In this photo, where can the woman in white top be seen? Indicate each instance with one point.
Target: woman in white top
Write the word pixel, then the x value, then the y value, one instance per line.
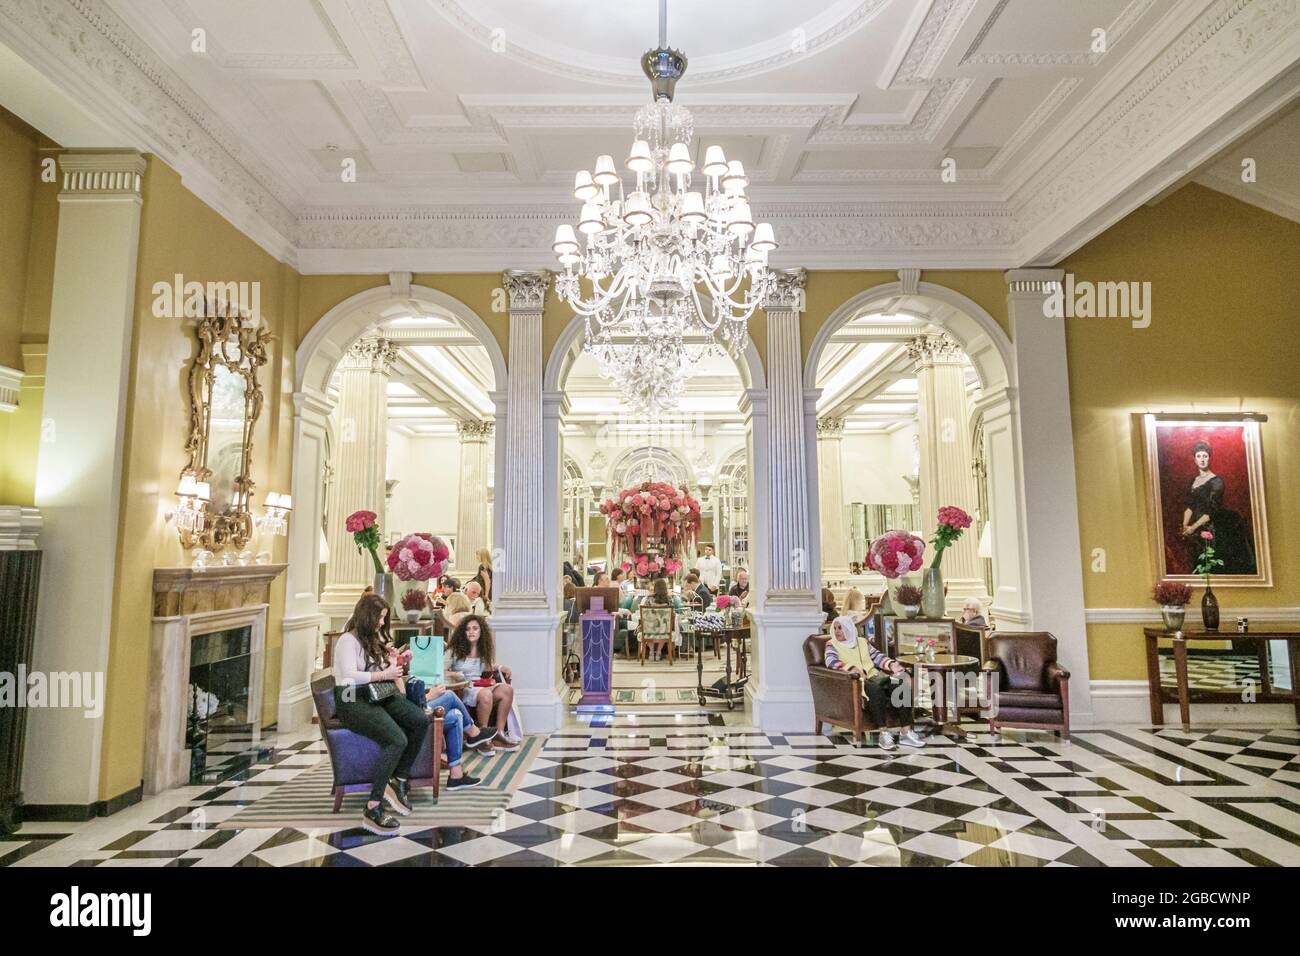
pixel 364 655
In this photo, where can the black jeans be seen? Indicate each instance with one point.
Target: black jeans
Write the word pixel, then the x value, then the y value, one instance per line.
pixel 878 688
pixel 396 724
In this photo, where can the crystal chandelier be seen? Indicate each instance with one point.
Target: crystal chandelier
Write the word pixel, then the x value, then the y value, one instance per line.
pixel 676 265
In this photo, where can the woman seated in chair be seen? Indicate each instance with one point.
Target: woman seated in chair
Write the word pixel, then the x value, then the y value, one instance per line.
pixel 456 609
pixel 364 655
pixel 655 642
pixel 845 651
pixel 460 731
pixel 472 657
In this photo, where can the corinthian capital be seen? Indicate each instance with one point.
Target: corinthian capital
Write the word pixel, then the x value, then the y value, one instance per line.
pixel 935 348
pixel 372 353
pixel 527 290
pixel 830 427
pixel 475 431
pixel 787 294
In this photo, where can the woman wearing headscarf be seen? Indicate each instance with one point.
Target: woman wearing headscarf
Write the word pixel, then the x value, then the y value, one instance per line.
pixel 846 651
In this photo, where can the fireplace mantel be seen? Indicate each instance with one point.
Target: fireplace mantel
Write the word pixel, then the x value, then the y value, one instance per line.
pixel 182 591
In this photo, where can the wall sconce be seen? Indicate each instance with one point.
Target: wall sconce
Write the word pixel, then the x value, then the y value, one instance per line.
pixel 597 488
pixel 194 495
pixel 276 519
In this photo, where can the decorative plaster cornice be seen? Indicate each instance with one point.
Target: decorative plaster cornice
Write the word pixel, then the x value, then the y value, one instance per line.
pixel 11 383
pixel 527 290
pixel 99 173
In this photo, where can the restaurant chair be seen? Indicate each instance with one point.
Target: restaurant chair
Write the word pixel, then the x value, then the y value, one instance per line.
pixel 837 695
pixel 657 626
pixel 1032 689
pixel 969 642
pixel 353 757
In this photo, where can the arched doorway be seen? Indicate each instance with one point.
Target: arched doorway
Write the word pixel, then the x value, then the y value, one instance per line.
pixel 991 409
pixel 428 324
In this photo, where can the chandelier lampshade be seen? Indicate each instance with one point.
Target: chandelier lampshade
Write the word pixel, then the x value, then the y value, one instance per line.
pixel 670 265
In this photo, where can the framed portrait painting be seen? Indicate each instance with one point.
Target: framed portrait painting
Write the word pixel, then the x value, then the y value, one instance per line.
pixel 1205 477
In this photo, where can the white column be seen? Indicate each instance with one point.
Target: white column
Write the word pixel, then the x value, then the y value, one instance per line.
pixel 791 609
pixel 79 472
pixel 360 459
pixel 525 617
pixel 943 424
pixel 471 514
pixel 1050 535
pixel 303 622
pixel 830 490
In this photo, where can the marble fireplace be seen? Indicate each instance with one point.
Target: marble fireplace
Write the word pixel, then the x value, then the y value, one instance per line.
pixel 209 628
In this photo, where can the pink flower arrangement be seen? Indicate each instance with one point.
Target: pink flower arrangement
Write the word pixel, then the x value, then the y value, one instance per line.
pixel 952 522
pixel 652 516
pixel 364 527
pixel 725 601
pixel 418 557
pixel 896 553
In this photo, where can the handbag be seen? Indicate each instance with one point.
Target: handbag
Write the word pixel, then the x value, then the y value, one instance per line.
pixel 427 659
pixel 380 690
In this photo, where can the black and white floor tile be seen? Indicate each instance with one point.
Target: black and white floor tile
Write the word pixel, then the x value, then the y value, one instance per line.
pixel 661 787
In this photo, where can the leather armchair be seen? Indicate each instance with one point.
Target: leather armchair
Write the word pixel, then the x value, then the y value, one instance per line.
pixel 353 756
pixel 1032 689
pixel 837 695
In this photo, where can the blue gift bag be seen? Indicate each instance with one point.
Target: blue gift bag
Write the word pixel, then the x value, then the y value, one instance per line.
pixel 427 659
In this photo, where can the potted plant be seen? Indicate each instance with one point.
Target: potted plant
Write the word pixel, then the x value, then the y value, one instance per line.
pixel 909 600
pixel 413 602
pixel 1205 566
pixel 1172 597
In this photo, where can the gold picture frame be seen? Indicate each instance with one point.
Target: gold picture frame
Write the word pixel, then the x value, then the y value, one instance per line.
pixel 1176 487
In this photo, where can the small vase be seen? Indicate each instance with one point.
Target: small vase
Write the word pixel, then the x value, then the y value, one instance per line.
pixel 412 617
pixel 1173 615
pixel 929 653
pixel 932 593
pixel 910 610
pixel 886 602
pixel 1210 610
pixel 386 588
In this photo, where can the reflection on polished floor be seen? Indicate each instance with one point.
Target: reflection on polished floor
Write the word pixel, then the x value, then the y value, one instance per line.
pixel 696 788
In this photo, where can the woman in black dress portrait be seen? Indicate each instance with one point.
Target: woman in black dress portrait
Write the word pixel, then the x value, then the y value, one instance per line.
pixel 1204 511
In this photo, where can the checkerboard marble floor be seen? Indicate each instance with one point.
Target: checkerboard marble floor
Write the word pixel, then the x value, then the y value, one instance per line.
pixel 691 788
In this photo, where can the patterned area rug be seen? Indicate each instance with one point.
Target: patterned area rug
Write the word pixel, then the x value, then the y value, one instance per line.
pixel 307 801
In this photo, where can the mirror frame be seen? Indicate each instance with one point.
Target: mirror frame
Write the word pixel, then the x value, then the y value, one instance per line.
pixel 216 330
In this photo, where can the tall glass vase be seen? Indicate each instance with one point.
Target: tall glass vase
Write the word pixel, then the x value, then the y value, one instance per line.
pixel 386 588
pixel 932 604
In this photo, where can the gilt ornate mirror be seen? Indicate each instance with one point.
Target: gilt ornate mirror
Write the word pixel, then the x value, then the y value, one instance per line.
pixel 225 401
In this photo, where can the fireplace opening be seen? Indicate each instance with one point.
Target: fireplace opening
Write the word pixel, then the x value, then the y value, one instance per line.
pixel 219 734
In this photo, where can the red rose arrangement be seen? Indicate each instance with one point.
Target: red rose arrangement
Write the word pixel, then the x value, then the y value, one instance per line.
pixel 364 526
pixel 653 516
pixel 895 553
pixel 725 601
pixel 952 522
pixel 418 557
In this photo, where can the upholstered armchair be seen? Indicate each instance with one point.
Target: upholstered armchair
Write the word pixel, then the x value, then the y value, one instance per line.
pixel 837 695
pixel 1032 689
pixel 353 756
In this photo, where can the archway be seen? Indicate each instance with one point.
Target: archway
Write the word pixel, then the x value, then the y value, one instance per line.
pixel 316 360
pixel 992 414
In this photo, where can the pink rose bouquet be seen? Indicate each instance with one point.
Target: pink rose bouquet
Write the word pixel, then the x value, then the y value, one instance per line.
pixel 896 553
pixel 725 601
pixel 652 516
pixel 418 557
pixel 364 526
pixel 952 522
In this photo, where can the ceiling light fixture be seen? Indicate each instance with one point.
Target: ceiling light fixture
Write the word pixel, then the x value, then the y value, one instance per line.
pixel 677 256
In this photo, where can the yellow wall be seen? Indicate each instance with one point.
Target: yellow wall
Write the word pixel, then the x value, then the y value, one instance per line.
pixel 1225 287
pixel 29 216
pixel 179 234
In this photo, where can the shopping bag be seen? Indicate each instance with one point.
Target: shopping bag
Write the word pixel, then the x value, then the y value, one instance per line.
pixel 427 659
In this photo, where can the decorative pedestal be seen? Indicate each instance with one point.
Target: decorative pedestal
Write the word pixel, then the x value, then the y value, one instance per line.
pixel 597 656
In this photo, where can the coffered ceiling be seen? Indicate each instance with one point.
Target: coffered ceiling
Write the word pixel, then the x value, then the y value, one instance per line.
pixel 465 120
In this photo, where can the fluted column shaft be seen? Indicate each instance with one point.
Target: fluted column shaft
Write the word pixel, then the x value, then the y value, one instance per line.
pixel 835 546
pixel 360 462
pixel 471 514
pixel 521 574
pixel 943 423
pixel 790 555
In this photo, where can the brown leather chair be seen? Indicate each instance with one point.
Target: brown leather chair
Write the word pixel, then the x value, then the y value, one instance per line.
pixel 1032 689
pixel 837 695
pixel 970 643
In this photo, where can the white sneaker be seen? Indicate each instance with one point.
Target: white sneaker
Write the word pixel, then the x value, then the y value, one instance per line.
pixel 886 741
pixel 912 739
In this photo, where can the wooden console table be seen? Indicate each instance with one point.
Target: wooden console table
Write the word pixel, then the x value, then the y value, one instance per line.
pixel 1267 693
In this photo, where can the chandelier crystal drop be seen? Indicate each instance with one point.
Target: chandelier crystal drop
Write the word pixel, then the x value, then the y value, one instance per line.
pixel 672 261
